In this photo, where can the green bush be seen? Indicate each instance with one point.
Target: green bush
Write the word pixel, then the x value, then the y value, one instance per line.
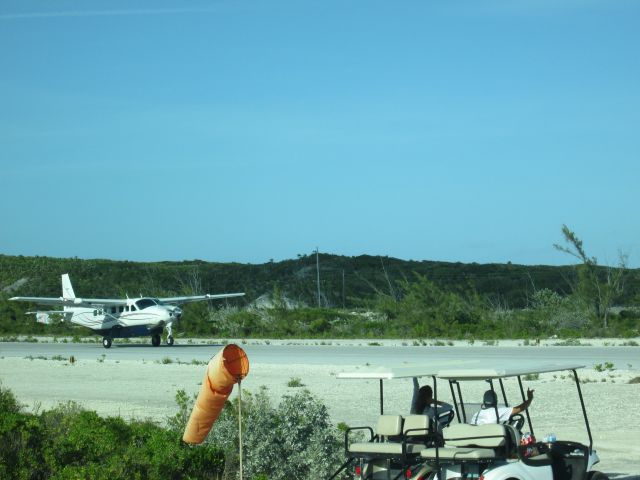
pixel 297 430
pixel 69 443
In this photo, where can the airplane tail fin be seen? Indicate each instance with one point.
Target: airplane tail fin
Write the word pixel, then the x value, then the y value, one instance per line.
pixel 67 289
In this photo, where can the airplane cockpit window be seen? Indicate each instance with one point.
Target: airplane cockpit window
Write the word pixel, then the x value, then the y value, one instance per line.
pixel 144 303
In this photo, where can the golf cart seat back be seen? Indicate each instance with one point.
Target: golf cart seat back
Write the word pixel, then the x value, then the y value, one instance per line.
pixel 465 442
pixel 388 426
pixel 489 435
pixel 416 426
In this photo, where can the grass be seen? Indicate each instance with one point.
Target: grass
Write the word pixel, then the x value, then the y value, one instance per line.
pixel 608 366
pixel 571 342
pixel 635 380
pixel 295 382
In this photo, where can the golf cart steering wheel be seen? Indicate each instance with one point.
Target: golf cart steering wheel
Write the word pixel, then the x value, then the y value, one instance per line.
pixel 445 418
pixel 516 421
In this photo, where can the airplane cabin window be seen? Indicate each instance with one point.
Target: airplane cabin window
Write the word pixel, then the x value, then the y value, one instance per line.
pixel 144 303
pixel 120 309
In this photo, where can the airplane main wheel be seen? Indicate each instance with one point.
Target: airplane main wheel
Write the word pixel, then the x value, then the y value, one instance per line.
pixel 106 342
pixel 169 340
pixel 155 340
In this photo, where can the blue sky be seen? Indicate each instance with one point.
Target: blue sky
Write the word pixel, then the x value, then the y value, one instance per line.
pixel 246 131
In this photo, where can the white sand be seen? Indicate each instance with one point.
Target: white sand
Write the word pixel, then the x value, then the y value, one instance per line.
pixel 138 389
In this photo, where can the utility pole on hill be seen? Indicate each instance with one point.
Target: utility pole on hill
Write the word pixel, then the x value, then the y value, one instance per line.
pixel 318 274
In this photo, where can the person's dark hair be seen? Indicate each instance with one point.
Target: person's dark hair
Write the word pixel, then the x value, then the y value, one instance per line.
pixel 490 399
pixel 425 395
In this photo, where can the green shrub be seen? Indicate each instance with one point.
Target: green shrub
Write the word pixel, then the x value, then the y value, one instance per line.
pixel 295 382
pixel 298 430
pixel 68 442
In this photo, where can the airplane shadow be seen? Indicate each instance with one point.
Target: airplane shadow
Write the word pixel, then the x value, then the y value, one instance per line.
pixel 623 476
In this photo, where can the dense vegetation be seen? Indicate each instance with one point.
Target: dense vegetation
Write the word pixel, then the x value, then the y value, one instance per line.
pixel 359 296
pixel 68 442
pixel 71 443
pixel 293 439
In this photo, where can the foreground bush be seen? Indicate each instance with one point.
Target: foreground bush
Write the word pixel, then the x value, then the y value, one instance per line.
pixel 294 439
pixel 70 443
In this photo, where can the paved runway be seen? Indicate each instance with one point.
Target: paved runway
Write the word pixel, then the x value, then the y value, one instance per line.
pixel 259 352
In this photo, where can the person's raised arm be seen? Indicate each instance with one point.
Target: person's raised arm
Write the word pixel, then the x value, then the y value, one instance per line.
pixel 524 405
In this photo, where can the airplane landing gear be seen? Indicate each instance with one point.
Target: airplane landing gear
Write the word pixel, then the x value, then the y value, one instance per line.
pixel 106 342
pixel 169 334
pixel 155 340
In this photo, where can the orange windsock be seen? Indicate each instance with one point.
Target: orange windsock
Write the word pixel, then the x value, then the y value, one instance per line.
pixel 225 369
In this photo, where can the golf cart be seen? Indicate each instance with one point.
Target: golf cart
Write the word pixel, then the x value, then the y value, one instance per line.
pixel 498 451
pixel 393 447
pixel 409 446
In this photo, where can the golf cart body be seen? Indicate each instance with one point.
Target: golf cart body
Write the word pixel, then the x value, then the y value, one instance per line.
pixel 393 446
pixel 498 451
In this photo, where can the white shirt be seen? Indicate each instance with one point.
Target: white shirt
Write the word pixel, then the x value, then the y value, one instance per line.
pixel 488 415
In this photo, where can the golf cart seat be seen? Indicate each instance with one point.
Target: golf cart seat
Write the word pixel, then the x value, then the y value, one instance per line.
pixel 395 437
pixel 473 442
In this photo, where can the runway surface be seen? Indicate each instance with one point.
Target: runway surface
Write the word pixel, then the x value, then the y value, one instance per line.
pixel 390 356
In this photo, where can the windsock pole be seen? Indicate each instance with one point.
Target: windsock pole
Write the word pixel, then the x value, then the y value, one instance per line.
pixel 240 422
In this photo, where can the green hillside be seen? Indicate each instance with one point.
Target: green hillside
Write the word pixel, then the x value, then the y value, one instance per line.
pixel 451 293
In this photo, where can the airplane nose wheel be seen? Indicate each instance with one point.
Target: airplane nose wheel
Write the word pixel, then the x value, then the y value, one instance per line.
pixel 169 340
pixel 106 342
pixel 155 340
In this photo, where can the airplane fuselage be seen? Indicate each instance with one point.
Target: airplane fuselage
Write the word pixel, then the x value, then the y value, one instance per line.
pixel 139 317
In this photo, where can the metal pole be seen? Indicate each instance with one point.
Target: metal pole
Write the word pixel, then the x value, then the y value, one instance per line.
pixel 504 395
pixel 318 275
pixel 455 401
pixel 381 399
pixel 343 302
pixel 527 410
pixel 495 407
pixel 464 412
pixel 240 423
pixel 584 410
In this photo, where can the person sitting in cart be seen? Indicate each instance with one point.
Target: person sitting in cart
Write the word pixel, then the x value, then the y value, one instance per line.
pixel 422 403
pixel 487 413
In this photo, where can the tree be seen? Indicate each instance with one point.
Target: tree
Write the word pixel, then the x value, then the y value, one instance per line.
pixel 602 286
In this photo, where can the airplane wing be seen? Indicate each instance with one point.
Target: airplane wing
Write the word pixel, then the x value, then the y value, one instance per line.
pixel 197 298
pixel 72 302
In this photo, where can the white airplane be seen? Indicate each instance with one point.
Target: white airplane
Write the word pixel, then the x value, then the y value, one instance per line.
pixel 118 318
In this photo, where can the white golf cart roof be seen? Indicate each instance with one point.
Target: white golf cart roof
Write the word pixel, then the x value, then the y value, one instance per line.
pixel 488 373
pixel 384 373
